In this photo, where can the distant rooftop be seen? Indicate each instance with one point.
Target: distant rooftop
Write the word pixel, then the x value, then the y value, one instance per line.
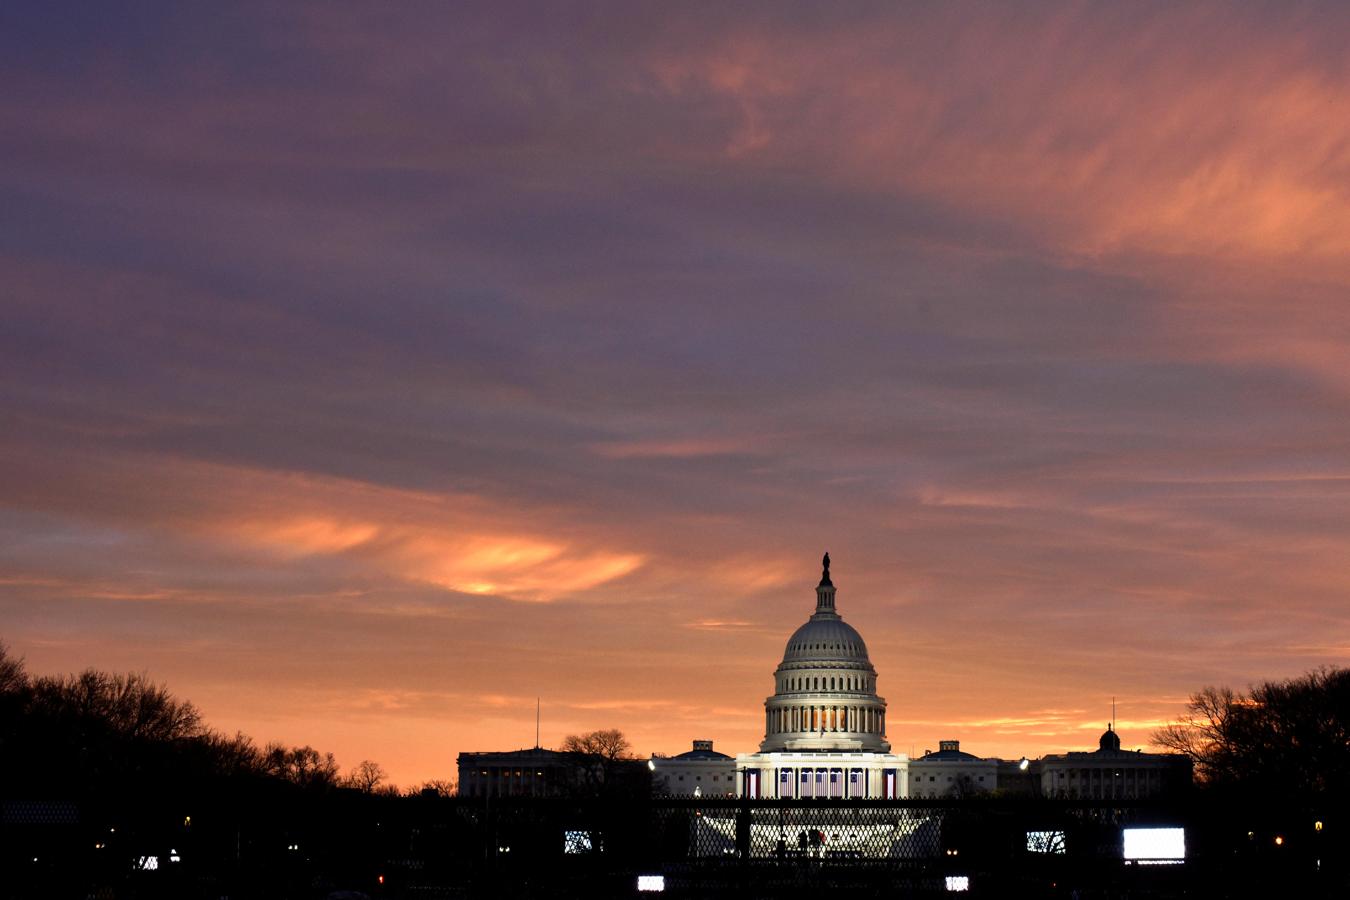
pixel 702 750
pixel 948 751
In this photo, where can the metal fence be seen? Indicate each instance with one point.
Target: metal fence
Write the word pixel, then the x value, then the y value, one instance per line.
pixel 781 847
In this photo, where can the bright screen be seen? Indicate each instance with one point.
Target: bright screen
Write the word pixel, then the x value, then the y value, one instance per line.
pixel 1045 842
pixel 1152 844
pixel 577 842
pixel 651 882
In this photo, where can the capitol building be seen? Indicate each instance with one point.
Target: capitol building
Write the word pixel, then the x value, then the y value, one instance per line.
pixel 824 725
pixel 825 737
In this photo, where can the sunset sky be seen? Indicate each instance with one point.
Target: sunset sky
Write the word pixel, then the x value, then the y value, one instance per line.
pixel 367 372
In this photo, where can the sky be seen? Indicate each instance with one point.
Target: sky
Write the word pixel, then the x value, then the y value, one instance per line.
pixel 370 371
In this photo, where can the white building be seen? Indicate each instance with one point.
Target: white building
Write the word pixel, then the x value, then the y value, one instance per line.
pixel 824 726
pixel 700 772
pixel 951 772
pixel 1110 773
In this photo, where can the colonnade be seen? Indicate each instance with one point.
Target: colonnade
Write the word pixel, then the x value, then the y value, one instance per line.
pixel 832 718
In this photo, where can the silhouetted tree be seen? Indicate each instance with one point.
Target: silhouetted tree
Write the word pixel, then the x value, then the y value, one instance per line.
pixel 366 776
pixel 1290 737
pixel 597 757
pixel 97 733
pixel 607 744
pixel 233 756
pixel 437 787
pixel 131 705
pixel 13 702
pixel 302 766
pixel 13 679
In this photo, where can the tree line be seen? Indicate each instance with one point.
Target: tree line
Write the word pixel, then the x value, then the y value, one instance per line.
pixel 85 732
pixel 1289 738
pixel 90 732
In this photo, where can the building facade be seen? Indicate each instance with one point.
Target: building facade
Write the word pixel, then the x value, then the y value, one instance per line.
pixel 1110 773
pixel 951 772
pixel 536 772
pixel 700 772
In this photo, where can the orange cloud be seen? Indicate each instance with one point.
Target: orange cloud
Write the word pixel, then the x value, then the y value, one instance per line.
pixel 676 448
pixel 1100 140
pixel 473 561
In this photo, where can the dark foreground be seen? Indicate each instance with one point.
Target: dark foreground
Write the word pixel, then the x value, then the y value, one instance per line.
pixel 343 844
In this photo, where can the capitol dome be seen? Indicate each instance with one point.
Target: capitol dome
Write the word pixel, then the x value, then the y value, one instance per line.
pixel 825 697
pixel 825 639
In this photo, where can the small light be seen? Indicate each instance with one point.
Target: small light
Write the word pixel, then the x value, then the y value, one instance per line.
pixel 1317 826
pixel 380 879
pixel 1279 840
pixel 654 883
pixel 651 766
pixel 1024 764
pixel 187 821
